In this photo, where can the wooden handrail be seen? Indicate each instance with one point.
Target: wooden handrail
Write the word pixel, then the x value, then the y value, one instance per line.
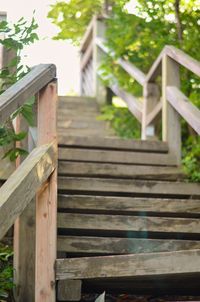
pixel 21 186
pixel 35 177
pixel 183 106
pixel 88 35
pixel 29 85
pixel 176 98
pixel 131 69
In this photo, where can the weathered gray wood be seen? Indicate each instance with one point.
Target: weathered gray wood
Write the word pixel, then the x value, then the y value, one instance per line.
pixel 88 35
pixel 183 59
pixel 24 254
pixel 172 264
pixel 171 126
pixel 18 94
pixel 184 107
pixel 86 132
pixel 151 97
pixel 114 143
pixel 129 186
pixel 117 156
pixel 124 224
pixel 100 91
pixel 80 124
pixel 131 69
pixel 24 231
pixel 119 170
pixel 69 290
pixel 154 113
pixel 134 105
pixel 20 188
pixel 76 100
pixel 6 166
pixel 86 56
pixel 129 205
pixel 104 245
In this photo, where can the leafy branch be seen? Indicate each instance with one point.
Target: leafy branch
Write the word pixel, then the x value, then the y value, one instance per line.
pixel 16 37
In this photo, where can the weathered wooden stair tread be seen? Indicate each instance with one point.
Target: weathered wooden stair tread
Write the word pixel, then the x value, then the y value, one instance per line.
pixel 147 226
pixel 130 266
pixel 111 245
pixel 89 169
pixel 113 143
pixel 123 186
pixel 108 156
pixel 129 205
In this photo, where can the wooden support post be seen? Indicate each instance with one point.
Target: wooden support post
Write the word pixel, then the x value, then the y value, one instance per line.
pixel 69 290
pixel 24 238
pixel 99 89
pixel 46 203
pixel 171 127
pixel 151 96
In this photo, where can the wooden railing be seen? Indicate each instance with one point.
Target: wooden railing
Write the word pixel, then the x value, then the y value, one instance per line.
pixel 172 102
pixel 29 197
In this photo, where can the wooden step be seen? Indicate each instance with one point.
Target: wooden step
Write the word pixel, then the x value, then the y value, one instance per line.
pixel 82 124
pixel 131 187
pixel 137 266
pixel 129 205
pixel 87 169
pixel 130 226
pixel 108 156
pixel 77 99
pixel 103 245
pixel 114 144
pixel 85 132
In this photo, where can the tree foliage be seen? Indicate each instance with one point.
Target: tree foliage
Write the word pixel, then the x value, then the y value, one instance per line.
pixel 139 37
pixel 72 17
pixel 16 37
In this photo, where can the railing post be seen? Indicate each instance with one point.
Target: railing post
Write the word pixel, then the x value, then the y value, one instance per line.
pixel 151 96
pixel 171 127
pixel 46 203
pixel 101 92
pixel 24 240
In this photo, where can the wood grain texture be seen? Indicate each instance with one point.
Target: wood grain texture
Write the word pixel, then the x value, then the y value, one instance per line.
pixel 46 202
pixel 171 127
pixel 130 266
pixel 129 186
pixel 118 171
pixel 151 99
pixel 30 84
pixel 134 105
pixel 69 290
pixel 113 143
pixel 104 245
pixel 106 156
pixel 183 59
pixel 21 186
pixel 125 224
pixel 128 205
pixel 184 107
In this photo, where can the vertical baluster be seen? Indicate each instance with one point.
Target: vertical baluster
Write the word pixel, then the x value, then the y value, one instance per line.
pixel 171 127
pixel 151 95
pixel 24 239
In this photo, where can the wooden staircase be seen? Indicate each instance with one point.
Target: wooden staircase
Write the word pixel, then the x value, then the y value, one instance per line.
pixel 127 220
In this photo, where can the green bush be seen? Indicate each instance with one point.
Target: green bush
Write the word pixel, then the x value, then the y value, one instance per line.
pixel 6 272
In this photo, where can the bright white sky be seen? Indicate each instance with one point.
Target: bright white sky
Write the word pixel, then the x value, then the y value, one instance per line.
pixel 61 53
